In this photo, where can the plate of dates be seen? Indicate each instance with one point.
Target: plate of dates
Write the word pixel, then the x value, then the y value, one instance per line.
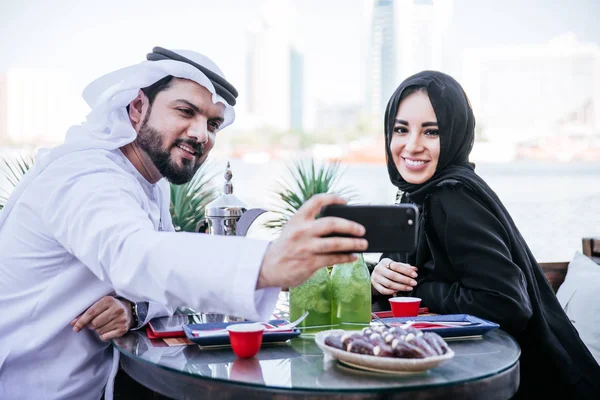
pixel 388 350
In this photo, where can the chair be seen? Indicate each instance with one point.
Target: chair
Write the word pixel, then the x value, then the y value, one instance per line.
pixel 556 271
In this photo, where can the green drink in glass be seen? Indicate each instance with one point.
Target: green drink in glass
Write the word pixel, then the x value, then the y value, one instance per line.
pixel 351 295
pixel 313 296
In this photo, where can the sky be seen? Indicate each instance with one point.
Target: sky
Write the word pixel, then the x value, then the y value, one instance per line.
pixel 89 38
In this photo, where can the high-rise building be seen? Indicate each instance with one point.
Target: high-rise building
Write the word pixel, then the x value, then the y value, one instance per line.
pixel 520 93
pixel 275 70
pixel 405 37
pixel 296 90
pixel 3 108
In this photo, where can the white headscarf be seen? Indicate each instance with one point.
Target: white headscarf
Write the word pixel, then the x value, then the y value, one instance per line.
pixel 107 126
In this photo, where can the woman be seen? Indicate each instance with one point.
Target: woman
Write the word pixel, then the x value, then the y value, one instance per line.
pixel 470 256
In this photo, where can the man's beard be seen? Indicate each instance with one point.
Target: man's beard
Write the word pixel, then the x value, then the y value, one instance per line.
pixel 150 140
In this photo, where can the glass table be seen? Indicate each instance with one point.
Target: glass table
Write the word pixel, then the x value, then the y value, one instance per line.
pixel 484 368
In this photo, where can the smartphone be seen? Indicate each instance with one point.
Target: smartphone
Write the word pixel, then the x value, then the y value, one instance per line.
pixel 169 326
pixel 389 228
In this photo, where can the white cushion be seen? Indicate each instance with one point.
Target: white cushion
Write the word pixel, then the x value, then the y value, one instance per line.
pixel 579 295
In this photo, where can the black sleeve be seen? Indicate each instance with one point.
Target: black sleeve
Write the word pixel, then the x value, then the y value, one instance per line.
pixel 488 283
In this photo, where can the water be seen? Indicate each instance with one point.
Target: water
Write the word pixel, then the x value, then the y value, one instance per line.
pixel 313 296
pixel 554 205
pixel 350 295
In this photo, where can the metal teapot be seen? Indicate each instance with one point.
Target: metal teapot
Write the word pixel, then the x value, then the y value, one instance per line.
pixel 228 215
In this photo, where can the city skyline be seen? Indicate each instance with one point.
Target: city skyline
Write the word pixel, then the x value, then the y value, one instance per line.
pixel 88 43
pixel 520 93
pixel 398 46
pixel 274 70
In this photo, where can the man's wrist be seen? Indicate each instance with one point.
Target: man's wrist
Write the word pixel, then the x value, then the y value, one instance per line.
pixel 130 306
pixel 262 281
pixel 137 312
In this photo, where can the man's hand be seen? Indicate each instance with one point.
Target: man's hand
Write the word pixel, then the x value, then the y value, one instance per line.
pixel 390 277
pixel 302 248
pixel 109 316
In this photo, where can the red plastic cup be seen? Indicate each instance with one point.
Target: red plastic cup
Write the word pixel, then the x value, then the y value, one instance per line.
pixel 405 306
pixel 246 338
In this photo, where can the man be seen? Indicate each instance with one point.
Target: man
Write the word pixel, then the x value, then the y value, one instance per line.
pixel 91 218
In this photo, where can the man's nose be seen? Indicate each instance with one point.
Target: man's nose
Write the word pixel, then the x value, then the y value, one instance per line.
pixel 199 131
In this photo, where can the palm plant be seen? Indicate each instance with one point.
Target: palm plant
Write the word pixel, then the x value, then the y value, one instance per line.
pixel 189 200
pixel 14 169
pixel 306 181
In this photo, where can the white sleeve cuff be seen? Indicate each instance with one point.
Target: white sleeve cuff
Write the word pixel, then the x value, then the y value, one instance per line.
pixel 266 301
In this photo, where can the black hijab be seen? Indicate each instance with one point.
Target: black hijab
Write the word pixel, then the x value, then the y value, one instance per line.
pixel 549 324
pixel 456 125
pixel 457 133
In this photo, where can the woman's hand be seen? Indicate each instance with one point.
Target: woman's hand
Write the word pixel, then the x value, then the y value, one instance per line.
pixel 389 277
pixel 109 317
